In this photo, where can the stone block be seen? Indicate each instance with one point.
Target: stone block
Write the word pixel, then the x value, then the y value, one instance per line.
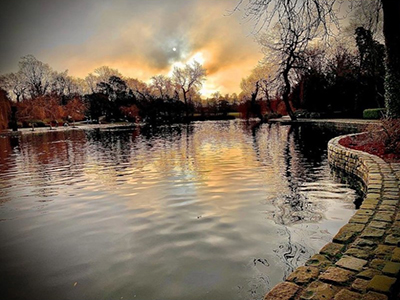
pixel 347 233
pixel 396 254
pixel 371 232
pixel 336 275
pixel 391 268
pixel 360 285
pixel 395 229
pixel 365 212
pixel 364 244
pixel 332 249
pixel 369 273
pixel 371 201
pixel 351 263
pixel 392 239
pixel 390 202
pixel 384 216
pixel 319 291
pixel 368 206
pixel 346 295
pixel 283 291
pixel 382 284
pixel 320 261
pixel 303 275
pixel 384 252
pixel 377 263
pixel 361 219
pixel 384 207
pixel 359 253
pixel 379 224
pixel 374 296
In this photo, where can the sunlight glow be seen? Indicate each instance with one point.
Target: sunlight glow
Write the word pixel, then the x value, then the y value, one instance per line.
pixel 197 57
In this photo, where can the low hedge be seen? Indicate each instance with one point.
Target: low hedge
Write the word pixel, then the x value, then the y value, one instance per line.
pixel 374 113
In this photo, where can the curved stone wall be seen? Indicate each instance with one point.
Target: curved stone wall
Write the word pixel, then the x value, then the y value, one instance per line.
pixel 363 259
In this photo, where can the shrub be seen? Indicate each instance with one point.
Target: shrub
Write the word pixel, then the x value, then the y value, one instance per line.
pixel 374 113
pixel 387 134
pixel 391 137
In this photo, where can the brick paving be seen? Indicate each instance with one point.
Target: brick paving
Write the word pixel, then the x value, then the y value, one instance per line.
pixel 363 260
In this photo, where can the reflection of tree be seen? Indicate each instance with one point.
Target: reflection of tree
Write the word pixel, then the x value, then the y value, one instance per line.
pixel 52 158
pixel 7 164
pixel 292 254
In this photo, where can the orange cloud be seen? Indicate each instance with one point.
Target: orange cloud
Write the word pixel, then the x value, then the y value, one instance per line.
pixel 156 36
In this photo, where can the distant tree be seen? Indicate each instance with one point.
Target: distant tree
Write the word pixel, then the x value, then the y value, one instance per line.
pixel 258 87
pixel 162 86
pixel 14 83
pixel 36 75
pixel 75 109
pixel 37 109
pixel 139 88
pixel 101 74
pixel 98 105
pixel 131 113
pixel 189 78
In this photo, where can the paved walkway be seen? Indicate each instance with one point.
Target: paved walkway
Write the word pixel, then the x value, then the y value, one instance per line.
pixel 363 260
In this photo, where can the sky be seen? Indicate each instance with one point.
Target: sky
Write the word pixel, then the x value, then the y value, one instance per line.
pixel 140 38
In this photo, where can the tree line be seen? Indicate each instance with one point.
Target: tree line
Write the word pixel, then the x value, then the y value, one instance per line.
pixel 40 94
pixel 336 81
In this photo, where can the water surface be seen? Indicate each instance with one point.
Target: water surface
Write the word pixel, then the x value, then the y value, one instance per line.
pixel 212 210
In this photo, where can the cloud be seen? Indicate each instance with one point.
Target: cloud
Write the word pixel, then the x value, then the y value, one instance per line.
pixel 138 38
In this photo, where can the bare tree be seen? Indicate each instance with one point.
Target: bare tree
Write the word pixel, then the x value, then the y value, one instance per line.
pixel 36 75
pixel 13 83
pixel 189 78
pixel 163 86
pixel 295 23
pixel 300 22
pixel 101 74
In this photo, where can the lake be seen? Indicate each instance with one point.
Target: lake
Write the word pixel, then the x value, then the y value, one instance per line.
pixel 210 210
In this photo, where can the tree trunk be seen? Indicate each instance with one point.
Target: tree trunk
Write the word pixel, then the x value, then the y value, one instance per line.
pixel 391 30
pixel 186 104
pixel 14 124
pixel 285 96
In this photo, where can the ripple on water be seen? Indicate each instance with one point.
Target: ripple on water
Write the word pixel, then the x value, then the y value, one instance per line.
pixel 211 210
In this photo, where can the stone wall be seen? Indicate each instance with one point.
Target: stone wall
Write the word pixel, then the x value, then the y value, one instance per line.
pixel 363 259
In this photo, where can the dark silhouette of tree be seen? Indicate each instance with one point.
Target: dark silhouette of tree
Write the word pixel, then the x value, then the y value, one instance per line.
pixel 301 21
pixel 371 70
pixel 188 79
pixel 297 23
pixel 391 31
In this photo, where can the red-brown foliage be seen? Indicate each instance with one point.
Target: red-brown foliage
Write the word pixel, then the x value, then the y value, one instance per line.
pixel 130 112
pixel 5 110
pixel 384 143
pixel 75 109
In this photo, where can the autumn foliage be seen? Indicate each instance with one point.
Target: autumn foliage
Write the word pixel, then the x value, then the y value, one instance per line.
pixel 48 109
pixel 5 110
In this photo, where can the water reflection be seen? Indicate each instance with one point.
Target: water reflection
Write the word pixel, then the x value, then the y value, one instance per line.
pixel 212 210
